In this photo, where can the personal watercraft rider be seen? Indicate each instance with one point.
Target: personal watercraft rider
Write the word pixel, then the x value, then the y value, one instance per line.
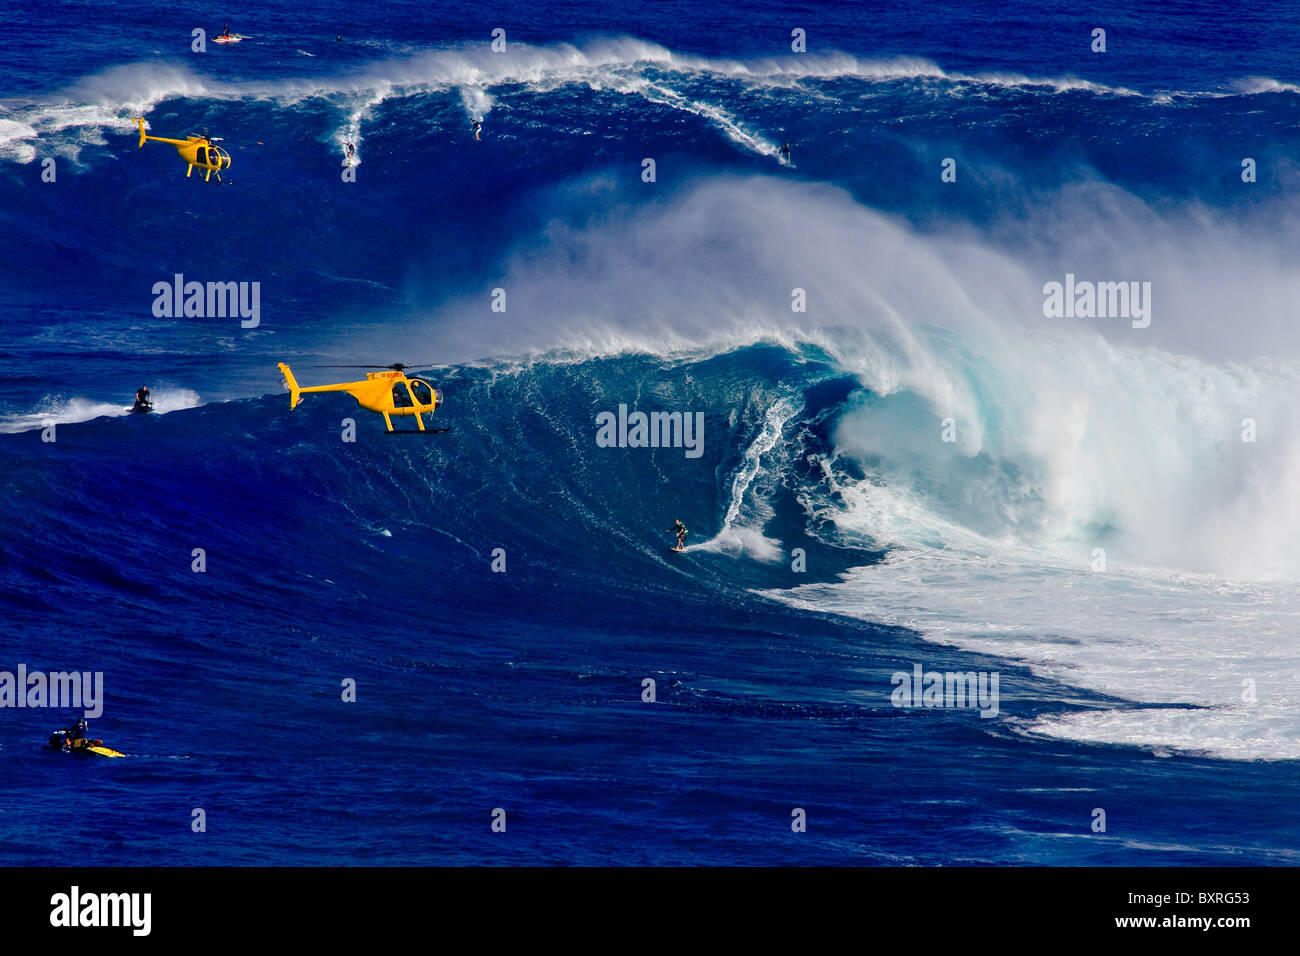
pixel 76 735
pixel 142 398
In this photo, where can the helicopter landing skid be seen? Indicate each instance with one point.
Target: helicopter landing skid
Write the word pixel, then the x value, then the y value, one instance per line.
pixel 416 431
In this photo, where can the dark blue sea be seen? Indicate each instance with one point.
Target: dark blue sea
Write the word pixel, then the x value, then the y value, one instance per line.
pixel 904 461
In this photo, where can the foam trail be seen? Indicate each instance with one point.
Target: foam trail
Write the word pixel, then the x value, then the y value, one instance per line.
pixel 477 102
pixel 734 130
pixel 359 112
pixel 57 410
pixel 741 531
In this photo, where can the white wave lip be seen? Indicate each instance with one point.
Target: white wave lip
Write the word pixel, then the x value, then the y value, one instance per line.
pixel 1264 84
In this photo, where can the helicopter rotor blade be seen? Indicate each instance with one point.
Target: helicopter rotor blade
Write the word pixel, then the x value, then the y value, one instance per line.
pixel 391 367
pixel 396 366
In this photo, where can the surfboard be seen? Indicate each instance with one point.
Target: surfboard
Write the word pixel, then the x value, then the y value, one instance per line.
pixel 105 752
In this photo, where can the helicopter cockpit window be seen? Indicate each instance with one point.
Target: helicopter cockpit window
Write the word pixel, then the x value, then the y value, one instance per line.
pixel 421 392
pixel 401 397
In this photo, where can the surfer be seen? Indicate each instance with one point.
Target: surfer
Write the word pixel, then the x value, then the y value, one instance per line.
pixel 679 529
pixel 478 127
pixel 351 150
pixel 784 151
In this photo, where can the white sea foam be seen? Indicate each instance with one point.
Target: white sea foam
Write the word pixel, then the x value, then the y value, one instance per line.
pixel 1222 653
pixel 61 410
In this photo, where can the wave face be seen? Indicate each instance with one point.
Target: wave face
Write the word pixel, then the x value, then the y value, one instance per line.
pixel 903 460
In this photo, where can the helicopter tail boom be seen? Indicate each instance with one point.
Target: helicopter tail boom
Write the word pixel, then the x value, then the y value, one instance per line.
pixel 160 139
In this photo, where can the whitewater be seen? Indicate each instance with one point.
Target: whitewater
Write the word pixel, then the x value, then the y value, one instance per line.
pixel 907 458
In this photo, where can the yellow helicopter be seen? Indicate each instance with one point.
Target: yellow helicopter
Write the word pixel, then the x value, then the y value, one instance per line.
pixel 388 392
pixel 199 151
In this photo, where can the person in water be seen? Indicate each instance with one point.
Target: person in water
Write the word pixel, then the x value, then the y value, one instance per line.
pixel 679 529
pixel 142 397
pixel 478 127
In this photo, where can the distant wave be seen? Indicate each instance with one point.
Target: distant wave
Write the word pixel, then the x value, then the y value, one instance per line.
pixel 107 101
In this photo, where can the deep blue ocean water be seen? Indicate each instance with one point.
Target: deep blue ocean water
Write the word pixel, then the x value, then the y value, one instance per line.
pixel 373 560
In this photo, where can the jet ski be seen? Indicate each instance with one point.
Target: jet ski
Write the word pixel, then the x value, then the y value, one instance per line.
pixel 141 408
pixel 88 746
